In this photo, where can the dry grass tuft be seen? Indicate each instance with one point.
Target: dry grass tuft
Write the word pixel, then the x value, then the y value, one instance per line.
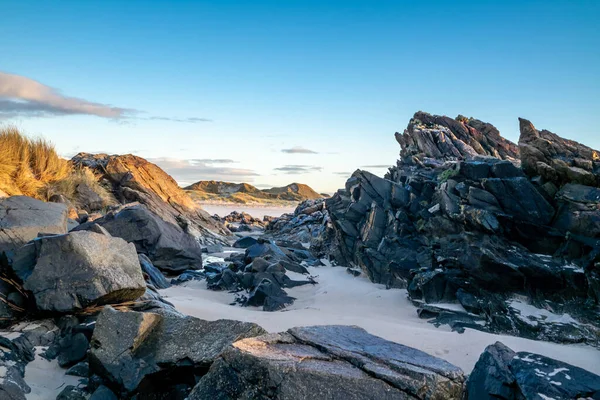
pixel 27 165
pixel 68 187
pixel 125 306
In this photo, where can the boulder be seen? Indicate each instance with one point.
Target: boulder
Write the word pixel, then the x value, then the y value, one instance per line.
pixel 24 218
pixel 168 246
pixel 70 272
pixel 556 159
pixel 152 274
pixel 138 353
pixel 134 179
pixel 500 373
pixel 327 362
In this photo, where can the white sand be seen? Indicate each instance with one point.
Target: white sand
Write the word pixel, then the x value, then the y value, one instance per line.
pixel 46 378
pixel 257 211
pixel 342 299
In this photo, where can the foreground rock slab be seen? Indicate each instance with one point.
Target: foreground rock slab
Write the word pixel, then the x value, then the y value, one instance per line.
pixel 22 218
pixel 327 362
pixel 503 374
pixel 71 272
pixel 148 353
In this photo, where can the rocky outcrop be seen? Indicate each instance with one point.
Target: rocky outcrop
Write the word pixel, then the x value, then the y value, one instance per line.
pixel 24 218
pixel 148 354
pixel 557 160
pixel 133 179
pixel 503 374
pixel 327 362
pixel 70 272
pixel 442 138
pixel 309 224
pixel 473 229
pixel 168 246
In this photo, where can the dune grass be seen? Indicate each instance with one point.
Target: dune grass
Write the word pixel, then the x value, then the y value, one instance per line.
pixel 32 167
pixel 27 165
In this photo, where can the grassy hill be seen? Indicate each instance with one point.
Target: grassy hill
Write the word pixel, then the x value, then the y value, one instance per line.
pixel 243 193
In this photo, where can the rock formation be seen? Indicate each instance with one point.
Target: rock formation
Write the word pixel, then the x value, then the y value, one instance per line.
pixel 167 245
pixel 134 179
pixel 457 220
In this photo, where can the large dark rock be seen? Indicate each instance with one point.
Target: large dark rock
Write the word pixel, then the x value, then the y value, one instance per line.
pixel 556 159
pixel 503 374
pixel 153 274
pixel 24 218
pixel 458 220
pixel 70 272
pixel 134 179
pixel 138 353
pixel 168 246
pixel 327 362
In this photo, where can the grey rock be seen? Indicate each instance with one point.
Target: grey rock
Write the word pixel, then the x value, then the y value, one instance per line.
pixel 168 246
pixel 73 271
pixel 327 362
pixel 131 349
pixel 23 218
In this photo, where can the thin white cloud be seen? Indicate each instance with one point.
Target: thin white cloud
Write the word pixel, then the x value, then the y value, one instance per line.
pixel 24 97
pixel 298 169
pixel 376 166
pixel 186 172
pixel 298 150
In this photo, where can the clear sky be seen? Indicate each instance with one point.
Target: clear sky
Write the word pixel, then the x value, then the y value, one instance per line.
pixel 221 89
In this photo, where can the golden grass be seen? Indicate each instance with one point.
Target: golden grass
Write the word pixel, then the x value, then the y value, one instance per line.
pixel 68 187
pixel 27 165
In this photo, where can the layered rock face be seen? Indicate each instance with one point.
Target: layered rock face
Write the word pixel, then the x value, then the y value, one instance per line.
pixel 134 179
pixel 327 362
pixel 457 220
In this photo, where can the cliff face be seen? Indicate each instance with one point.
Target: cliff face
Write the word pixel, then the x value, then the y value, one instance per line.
pixel 458 220
pixel 134 179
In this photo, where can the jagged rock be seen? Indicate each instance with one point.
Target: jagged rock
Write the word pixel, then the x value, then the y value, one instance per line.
pixel 168 246
pixel 137 353
pixel 269 295
pixel 81 369
pixel 556 159
pixel 457 220
pixel 134 179
pixel 73 271
pixel 23 218
pixel 155 277
pixel 327 362
pixel 444 138
pixel 501 373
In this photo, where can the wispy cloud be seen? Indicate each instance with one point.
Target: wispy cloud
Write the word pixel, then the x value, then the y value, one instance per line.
pixel 186 172
pixel 24 97
pixel 343 173
pixel 298 150
pixel 214 160
pixel 298 169
pixel 376 166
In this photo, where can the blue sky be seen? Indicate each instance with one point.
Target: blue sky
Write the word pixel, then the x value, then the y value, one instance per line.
pixel 331 80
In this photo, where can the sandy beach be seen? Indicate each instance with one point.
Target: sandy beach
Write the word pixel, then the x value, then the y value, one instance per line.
pixel 341 299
